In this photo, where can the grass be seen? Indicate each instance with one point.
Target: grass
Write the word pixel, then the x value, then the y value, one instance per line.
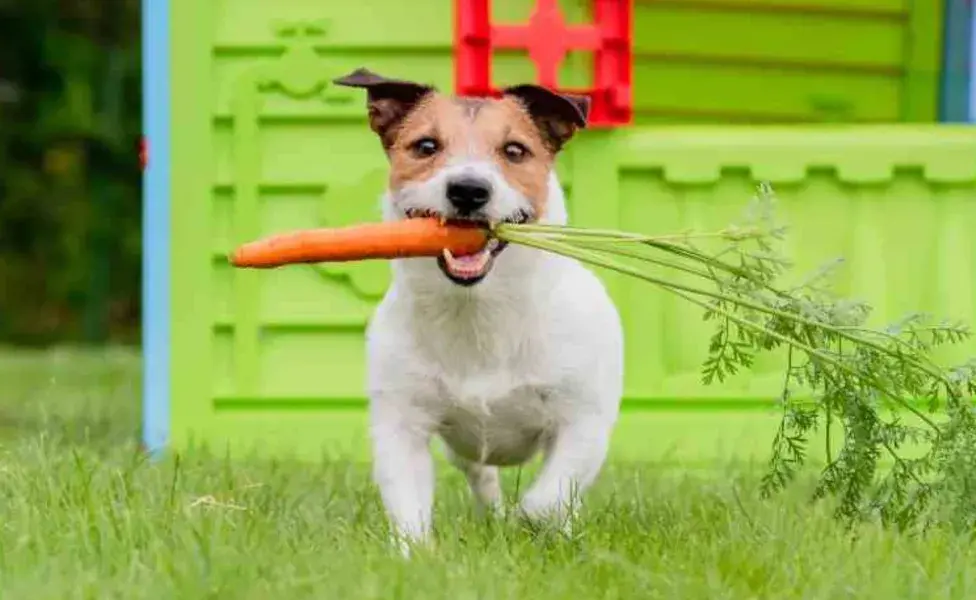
pixel 84 515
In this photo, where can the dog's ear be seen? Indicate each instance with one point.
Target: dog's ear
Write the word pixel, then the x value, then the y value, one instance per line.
pixel 558 116
pixel 387 100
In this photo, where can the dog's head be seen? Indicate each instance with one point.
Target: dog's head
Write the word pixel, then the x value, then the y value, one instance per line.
pixel 460 158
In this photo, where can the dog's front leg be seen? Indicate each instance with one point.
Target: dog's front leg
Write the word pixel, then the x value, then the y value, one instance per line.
pixel 403 470
pixel 484 482
pixel 572 461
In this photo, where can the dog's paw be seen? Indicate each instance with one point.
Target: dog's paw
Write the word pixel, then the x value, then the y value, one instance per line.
pixel 495 511
pixel 557 519
pixel 400 545
pixel 406 546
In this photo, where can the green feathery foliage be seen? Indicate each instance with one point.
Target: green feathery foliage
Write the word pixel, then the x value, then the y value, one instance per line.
pixel 881 386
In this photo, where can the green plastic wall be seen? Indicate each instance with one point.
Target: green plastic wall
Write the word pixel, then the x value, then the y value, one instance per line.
pixel 713 61
pixel 272 361
pixel 787 60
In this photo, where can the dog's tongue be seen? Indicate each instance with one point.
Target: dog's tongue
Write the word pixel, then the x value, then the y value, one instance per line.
pixel 468 259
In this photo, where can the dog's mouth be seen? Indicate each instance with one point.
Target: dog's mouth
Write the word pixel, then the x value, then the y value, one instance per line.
pixel 469 269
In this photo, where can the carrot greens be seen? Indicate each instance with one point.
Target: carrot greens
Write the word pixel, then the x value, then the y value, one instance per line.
pixel 906 453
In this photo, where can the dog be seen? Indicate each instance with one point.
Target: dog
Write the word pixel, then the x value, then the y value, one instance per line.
pixel 504 354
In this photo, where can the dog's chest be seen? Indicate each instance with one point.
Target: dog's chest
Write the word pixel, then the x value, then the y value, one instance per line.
pixel 494 417
pixel 487 373
pixel 494 401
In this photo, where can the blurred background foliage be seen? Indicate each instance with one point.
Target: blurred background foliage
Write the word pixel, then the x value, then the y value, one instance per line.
pixel 70 205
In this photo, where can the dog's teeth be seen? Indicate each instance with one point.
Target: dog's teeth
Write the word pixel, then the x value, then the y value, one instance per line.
pixel 447 255
pixel 443 222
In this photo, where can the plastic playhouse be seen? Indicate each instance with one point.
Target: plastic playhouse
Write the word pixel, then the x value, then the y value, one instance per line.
pixel 834 102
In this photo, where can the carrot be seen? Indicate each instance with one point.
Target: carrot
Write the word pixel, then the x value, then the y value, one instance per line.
pixel 397 239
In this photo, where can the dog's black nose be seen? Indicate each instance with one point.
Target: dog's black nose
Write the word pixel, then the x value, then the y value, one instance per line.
pixel 468 194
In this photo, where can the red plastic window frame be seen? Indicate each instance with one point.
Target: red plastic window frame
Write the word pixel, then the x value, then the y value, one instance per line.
pixel 548 39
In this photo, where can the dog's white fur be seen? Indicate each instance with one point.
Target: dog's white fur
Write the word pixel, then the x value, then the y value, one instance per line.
pixel 528 360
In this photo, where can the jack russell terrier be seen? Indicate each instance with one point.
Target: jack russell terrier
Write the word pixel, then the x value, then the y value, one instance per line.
pixel 504 353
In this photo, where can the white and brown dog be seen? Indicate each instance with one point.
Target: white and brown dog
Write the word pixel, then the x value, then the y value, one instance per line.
pixel 503 353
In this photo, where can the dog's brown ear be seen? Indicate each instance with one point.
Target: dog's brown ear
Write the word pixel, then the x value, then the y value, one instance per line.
pixel 558 116
pixel 388 100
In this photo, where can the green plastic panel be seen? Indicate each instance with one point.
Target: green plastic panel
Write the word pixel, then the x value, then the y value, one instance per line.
pixel 898 204
pixel 273 360
pixel 716 61
pixel 787 60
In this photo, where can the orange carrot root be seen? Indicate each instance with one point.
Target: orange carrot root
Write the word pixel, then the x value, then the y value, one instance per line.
pixel 388 240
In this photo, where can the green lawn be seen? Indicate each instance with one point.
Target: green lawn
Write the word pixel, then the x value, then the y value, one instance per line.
pixel 83 515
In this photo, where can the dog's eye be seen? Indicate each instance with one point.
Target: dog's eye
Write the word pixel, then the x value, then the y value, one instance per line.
pixel 515 152
pixel 425 147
